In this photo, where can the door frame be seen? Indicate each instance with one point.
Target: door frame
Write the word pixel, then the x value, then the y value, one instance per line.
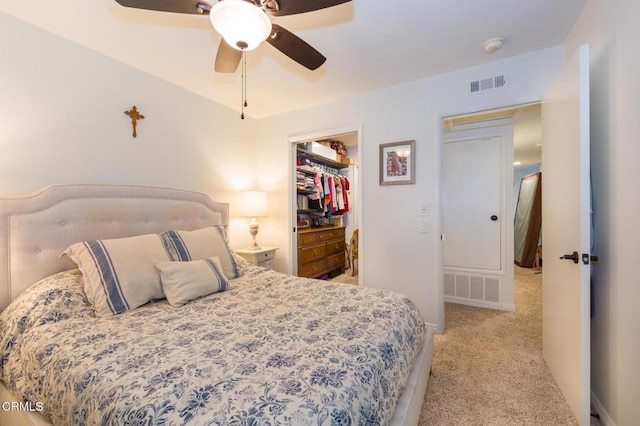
pixel 502 128
pixel 440 117
pixel 293 141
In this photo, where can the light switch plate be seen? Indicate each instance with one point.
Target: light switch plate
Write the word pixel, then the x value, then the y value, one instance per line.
pixel 424 209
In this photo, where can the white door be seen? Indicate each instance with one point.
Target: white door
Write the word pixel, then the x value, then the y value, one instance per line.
pixel 566 230
pixel 472 203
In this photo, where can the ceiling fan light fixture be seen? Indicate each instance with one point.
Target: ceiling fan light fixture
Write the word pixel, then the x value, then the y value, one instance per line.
pixel 242 24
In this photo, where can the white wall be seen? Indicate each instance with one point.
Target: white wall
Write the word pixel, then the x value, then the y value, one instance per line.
pixel 611 28
pixel 62 121
pixel 394 254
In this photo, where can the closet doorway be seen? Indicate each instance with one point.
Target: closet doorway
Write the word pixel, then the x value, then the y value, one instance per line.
pixel 485 156
pixel 326 206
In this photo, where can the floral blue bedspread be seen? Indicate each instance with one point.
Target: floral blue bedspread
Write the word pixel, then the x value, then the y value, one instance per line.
pixel 272 350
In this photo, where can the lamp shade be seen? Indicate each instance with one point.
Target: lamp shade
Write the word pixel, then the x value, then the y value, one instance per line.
pixel 243 25
pixel 253 203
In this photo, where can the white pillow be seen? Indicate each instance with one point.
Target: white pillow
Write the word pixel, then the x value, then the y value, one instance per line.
pixel 185 281
pixel 202 244
pixel 120 274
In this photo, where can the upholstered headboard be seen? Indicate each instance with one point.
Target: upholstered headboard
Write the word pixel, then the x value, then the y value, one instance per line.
pixel 35 229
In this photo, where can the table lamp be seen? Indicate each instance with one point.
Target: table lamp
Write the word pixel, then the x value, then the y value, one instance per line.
pixel 253 204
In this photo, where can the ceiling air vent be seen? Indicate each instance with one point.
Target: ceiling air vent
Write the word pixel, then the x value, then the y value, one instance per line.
pixel 485 84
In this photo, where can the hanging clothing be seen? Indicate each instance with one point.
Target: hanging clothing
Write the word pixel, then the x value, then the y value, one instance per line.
pixel 334 198
pixel 316 200
pixel 346 188
pixel 340 194
pixel 330 192
pixel 327 194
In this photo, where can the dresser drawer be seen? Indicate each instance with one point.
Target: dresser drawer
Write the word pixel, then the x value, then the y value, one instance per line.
pixel 335 261
pixel 311 253
pixel 304 239
pixel 331 234
pixel 312 269
pixel 327 235
pixel 334 247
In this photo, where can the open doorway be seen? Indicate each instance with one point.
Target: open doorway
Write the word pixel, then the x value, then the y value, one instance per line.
pixel 527 186
pixel 325 206
pixel 485 157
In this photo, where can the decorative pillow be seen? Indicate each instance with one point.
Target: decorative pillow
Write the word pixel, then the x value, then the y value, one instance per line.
pixel 120 274
pixel 202 244
pixel 185 281
pixel 242 263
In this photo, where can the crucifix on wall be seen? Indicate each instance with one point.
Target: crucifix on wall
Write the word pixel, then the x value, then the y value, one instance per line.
pixel 135 116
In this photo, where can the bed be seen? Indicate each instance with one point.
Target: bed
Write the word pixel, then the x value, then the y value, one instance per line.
pixel 264 348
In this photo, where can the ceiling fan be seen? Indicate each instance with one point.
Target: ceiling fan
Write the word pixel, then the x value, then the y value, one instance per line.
pixel 245 24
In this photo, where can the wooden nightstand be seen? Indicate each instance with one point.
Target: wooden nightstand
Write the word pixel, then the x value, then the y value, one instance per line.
pixel 265 256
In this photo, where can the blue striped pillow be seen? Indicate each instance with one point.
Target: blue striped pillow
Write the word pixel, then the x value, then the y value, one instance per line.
pixel 186 281
pixel 201 244
pixel 120 274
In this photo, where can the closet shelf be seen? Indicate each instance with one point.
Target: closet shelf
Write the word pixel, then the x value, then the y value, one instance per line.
pixel 309 211
pixel 306 172
pixel 320 159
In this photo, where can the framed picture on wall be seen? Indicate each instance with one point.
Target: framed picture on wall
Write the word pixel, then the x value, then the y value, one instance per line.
pixel 397 163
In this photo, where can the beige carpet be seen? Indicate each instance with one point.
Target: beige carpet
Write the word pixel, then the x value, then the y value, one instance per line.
pixel 488 367
pixel 346 278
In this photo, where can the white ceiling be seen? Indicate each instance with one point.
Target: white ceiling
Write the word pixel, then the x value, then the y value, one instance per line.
pixel 369 44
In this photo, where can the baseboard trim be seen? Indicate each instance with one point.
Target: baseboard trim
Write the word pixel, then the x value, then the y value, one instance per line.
pixel 605 419
pixel 432 327
pixel 480 304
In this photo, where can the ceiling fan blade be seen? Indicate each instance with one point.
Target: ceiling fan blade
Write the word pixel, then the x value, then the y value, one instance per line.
pixel 291 7
pixel 295 48
pixel 196 7
pixel 227 58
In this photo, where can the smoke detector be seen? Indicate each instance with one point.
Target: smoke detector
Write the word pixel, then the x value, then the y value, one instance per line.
pixel 492 45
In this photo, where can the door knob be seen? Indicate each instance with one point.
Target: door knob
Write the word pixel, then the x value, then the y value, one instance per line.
pixel 494 217
pixel 573 256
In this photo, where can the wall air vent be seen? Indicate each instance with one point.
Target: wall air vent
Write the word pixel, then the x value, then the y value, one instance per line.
pixel 484 84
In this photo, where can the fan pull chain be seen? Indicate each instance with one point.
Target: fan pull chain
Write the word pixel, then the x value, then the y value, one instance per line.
pixel 244 82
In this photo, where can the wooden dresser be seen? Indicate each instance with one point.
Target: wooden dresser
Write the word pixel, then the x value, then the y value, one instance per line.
pixel 320 251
